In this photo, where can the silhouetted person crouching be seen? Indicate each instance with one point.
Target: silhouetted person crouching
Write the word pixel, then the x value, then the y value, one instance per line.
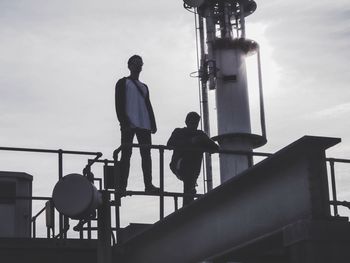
pixel 186 164
pixel 136 117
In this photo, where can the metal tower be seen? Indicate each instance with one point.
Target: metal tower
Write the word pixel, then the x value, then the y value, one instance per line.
pixel 223 67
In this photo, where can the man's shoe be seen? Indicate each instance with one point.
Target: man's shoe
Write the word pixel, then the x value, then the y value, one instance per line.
pixel 152 189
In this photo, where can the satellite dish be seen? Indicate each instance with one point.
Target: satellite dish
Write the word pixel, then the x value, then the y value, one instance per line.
pixel 194 3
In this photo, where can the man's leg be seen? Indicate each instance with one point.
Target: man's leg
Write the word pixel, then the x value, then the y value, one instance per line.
pixel 126 138
pixel 189 180
pixel 144 137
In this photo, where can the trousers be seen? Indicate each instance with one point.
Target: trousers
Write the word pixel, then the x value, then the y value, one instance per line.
pixel 189 182
pixel 143 137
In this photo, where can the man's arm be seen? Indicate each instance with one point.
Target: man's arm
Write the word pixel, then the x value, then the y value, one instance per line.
pixel 150 111
pixel 120 102
pixel 203 141
pixel 174 138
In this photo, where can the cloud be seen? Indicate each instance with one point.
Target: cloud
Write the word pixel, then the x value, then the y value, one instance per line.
pixel 337 111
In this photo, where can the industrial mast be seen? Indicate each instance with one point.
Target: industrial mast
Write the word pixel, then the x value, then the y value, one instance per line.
pixel 224 48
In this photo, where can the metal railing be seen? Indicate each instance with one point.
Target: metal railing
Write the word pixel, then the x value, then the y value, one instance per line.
pixel 64 222
pixel 335 202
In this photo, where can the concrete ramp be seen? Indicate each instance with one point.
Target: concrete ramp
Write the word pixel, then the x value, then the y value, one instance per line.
pixel 245 214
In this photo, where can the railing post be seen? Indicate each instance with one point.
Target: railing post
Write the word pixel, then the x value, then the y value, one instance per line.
pixel 34 227
pixel 60 176
pixel 176 203
pixel 117 203
pixel 117 197
pixel 334 190
pixel 161 183
pixel 89 229
pixel 250 159
pixel 50 217
pixel 104 253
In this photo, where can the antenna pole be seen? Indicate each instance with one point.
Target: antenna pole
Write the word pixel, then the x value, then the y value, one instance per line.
pixel 203 75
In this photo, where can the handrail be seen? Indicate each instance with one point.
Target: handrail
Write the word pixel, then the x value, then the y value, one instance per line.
pixel 15 149
pixel 33 220
pixel 223 151
pixel 165 193
pixel 42 198
pixel 338 160
pixel 38 214
pixel 335 202
pixel 92 161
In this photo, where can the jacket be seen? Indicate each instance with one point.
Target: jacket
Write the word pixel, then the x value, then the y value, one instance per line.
pixel 196 140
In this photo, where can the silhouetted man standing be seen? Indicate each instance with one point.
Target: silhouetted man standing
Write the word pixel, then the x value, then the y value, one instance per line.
pixel 136 117
pixel 186 164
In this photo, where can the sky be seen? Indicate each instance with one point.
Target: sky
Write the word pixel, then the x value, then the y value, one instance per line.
pixel 59 62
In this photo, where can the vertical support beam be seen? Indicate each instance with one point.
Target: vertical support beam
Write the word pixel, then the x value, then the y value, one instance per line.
pixel 334 189
pixel 34 227
pixel 261 96
pixel 176 203
pixel 117 202
pixel 50 217
pixel 242 21
pixel 250 159
pixel 117 197
pixel 104 253
pixel 161 183
pixel 60 176
pixel 89 229
pixel 205 104
pixel 210 41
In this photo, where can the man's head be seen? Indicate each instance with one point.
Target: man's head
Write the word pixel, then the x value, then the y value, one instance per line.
pixel 135 64
pixel 192 120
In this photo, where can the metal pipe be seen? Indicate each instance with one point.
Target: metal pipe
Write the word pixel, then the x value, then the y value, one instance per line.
pixel 37 214
pixel 104 252
pixel 60 176
pixel 92 161
pixel 89 229
pixel 242 21
pixel 210 41
pixel 250 159
pixel 227 21
pixel 176 203
pixel 337 160
pixel 161 183
pixel 205 104
pixel 117 215
pixel 34 227
pixel 167 194
pixel 15 149
pixel 334 190
pixel 261 97
pixel 26 198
